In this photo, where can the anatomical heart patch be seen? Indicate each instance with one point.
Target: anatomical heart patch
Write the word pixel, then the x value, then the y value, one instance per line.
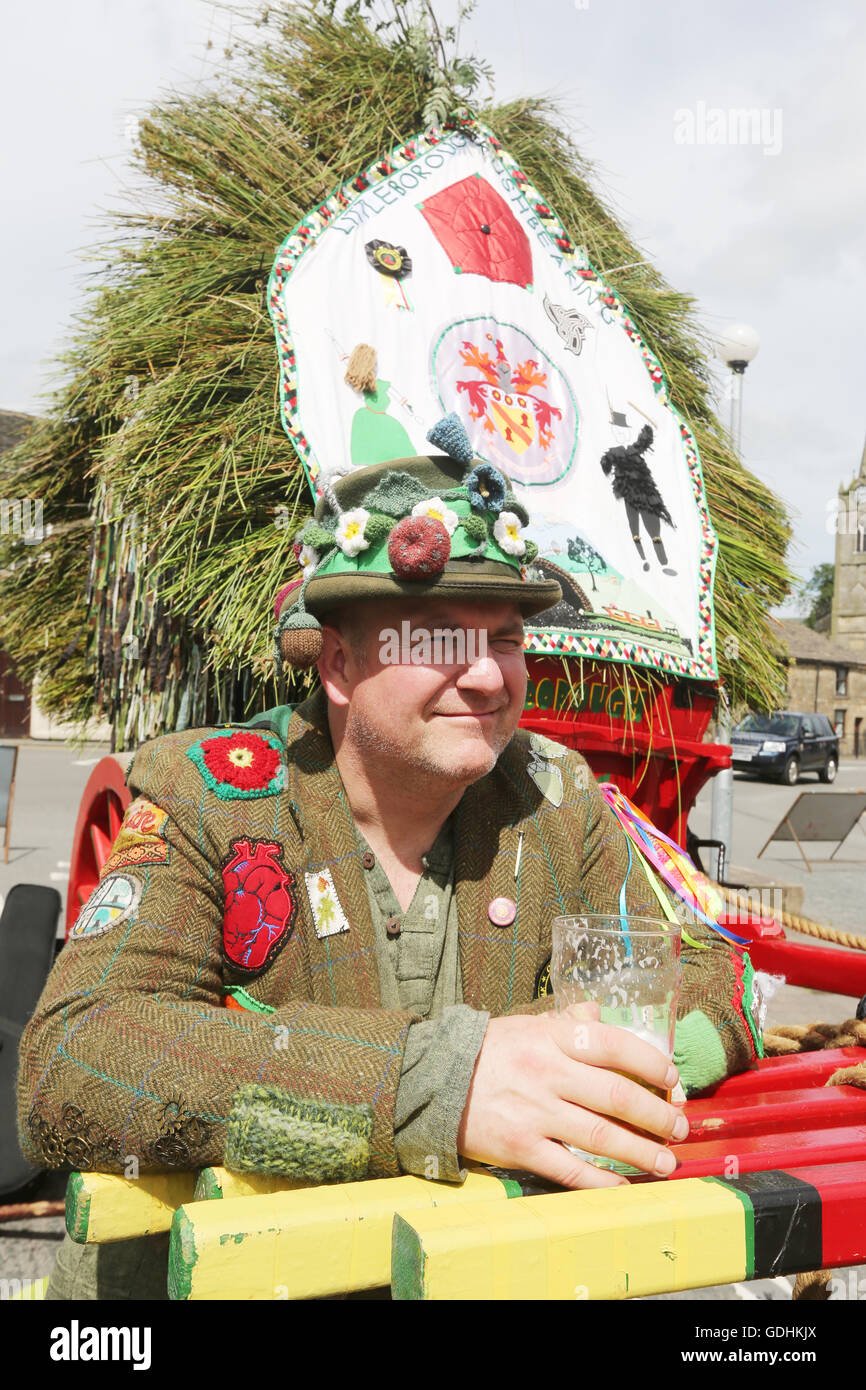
pixel 260 904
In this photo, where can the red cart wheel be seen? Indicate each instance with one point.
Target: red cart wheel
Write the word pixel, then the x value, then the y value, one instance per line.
pixel 103 802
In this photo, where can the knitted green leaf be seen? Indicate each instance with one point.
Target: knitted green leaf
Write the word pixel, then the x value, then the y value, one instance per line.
pixel 378 527
pixel 315 535
pixel 475 528
pixel 396 495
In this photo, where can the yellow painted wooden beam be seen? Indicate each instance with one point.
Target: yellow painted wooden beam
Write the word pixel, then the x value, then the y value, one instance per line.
pixel 307 1243
pixel 602 1244
pixel 214 1183
pixel 34 1289
pixel 102 1207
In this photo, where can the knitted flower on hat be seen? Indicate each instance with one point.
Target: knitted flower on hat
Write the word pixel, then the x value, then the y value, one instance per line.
pixel 419 547
pixel 487 488
pixel 439 512
pixel 416 521
pixel 308 559
pixel 350 532
pixel 507 532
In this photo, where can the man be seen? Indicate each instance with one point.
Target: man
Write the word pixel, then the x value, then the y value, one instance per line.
pixel 349 906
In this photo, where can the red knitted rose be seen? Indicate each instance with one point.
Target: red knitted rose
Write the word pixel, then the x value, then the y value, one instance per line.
pixel 418 547
pixel 243 760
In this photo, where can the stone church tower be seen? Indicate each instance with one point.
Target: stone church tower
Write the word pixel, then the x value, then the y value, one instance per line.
pixel 848 621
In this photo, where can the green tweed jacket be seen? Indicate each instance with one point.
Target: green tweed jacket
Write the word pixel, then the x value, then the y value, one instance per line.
pixel 237 877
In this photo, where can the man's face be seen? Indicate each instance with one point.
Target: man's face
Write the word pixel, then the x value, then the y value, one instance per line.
pixel 437 685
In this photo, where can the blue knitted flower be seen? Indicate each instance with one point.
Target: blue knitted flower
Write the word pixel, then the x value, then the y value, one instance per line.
pixel 487 488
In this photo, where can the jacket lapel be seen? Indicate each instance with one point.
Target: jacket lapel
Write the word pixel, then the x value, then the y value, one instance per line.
pixel 343 968
pixel 499 964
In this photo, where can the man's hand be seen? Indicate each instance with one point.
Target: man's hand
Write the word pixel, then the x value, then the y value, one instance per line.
pixel 554 1077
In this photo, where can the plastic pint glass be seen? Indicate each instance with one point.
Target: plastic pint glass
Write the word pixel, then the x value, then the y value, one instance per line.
pixel 630 966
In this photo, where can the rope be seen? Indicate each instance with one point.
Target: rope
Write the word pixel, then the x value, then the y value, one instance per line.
pixel 812 1288
pixel 802 924
pixel 17 1211
pixel 786 1038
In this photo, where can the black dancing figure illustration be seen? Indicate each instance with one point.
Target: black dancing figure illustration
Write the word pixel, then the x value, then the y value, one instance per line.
pixel 633 483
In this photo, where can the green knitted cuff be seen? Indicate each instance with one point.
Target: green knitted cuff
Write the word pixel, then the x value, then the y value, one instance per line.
pixel 272 1131
pixel 699 1055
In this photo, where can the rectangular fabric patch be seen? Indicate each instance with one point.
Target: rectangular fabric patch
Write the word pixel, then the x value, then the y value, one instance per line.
pixel 140 839
pixel 328 915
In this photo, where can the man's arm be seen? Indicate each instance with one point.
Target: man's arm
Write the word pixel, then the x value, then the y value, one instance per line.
pixel 716 1032
pixel 131 1054
pixel 541 1082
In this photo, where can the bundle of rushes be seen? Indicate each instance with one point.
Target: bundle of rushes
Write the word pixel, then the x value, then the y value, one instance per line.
pixel 170 486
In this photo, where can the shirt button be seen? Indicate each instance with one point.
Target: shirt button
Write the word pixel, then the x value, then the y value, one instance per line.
pixel 368 859
pixel 393 926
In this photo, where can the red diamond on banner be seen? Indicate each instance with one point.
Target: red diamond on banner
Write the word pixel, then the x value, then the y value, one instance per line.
pixel 479 233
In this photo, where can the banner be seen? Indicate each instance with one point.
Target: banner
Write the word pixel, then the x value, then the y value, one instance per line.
pixel 445 261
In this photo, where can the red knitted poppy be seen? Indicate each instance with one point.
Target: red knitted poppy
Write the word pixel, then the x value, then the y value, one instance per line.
pixel 418 547
pixel 254 765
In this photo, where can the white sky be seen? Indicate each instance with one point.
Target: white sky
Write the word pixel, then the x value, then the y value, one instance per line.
pixel 774 239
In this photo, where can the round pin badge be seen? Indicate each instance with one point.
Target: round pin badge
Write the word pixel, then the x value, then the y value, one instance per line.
pixel 502 912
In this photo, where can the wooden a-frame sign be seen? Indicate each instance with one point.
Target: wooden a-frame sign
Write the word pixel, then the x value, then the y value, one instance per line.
pixel 824 816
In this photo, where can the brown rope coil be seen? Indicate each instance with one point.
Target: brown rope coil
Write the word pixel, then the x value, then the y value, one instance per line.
pixel 851 940
pixel 812 1287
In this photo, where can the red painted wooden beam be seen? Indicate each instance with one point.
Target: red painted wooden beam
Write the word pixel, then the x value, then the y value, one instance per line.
pixel 842 1189
pixel 752 1153
pixel 792 1073
pixel 816 967
pixel 773 1112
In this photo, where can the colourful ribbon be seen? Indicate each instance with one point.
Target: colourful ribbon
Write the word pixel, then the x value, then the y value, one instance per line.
pixel 663 857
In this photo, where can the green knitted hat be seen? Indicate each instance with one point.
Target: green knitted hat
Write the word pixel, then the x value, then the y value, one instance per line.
pixel 443 525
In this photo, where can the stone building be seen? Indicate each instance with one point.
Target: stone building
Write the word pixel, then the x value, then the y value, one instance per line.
pixel 848 620
pixel 828 677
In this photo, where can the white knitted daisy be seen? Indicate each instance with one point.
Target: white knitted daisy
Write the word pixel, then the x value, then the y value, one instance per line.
pixel 308 558
pixel 436 508
pixel 350 532
pixel 507 534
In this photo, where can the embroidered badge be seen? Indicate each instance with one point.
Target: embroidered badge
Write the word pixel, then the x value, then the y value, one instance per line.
pixel 260 904
pixel 238 764
pixel 112 902
pixel 328 914
pixel 541 768
pixel 140 839
pixel 542 981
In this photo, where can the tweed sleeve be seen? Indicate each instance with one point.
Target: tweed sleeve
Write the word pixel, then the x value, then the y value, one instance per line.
pixel 716 1033
pixel 131 1061
pixel 438 1066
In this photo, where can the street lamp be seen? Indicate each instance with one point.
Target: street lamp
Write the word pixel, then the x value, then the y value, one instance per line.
pixel 736 347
